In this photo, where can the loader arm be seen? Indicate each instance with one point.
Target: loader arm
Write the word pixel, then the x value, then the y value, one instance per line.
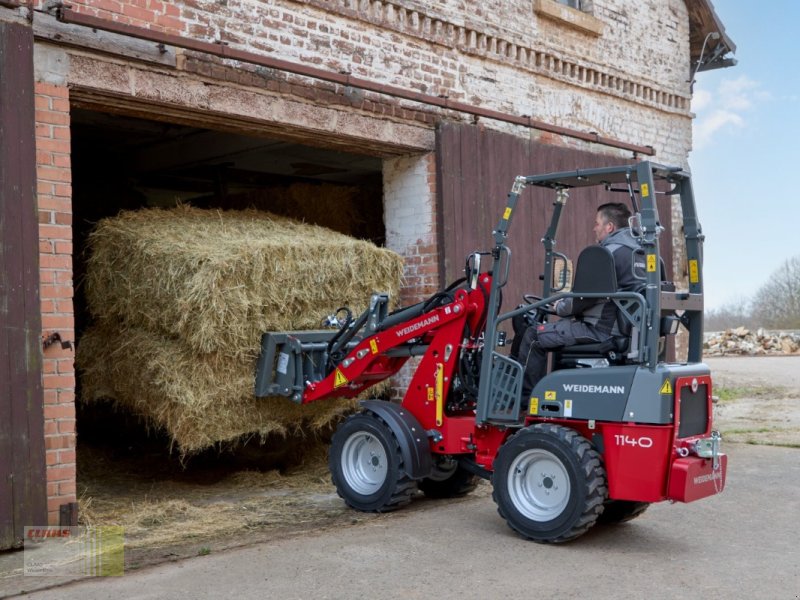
pixel 371 359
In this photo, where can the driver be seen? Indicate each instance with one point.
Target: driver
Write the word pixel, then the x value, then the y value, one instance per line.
pixel 595 324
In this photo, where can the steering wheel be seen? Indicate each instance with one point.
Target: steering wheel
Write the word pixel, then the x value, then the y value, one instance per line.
pixel 546 308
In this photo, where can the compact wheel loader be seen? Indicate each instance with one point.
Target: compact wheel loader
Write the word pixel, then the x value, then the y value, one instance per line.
pixel 610 429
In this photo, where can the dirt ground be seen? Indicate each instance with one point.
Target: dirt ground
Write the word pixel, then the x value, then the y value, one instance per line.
pixel 759 399
pixel 171 510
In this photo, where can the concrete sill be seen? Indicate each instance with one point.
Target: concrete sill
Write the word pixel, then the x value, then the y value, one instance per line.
pixel 570 17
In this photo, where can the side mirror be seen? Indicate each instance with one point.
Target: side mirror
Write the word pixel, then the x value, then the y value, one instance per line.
pixel 562 273
pixel 669 325
pixel 635 223
pixel 473 269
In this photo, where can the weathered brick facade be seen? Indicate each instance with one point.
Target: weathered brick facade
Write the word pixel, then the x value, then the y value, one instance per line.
pixel 410 216
pixel 625 77
pixel 630 82
pixel 56 290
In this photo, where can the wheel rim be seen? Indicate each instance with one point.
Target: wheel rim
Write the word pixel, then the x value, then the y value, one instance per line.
pixel 538 485
pixel 364 463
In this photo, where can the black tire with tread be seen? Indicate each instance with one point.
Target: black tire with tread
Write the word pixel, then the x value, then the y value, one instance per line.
pixel 396 490
pixel 588 483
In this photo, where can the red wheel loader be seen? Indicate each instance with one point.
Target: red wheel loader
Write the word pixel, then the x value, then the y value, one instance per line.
pixel 610 429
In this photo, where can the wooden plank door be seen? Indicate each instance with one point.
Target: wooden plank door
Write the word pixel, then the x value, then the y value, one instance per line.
pixel 23 499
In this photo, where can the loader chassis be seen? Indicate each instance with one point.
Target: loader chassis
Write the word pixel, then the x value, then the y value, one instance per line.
pixel 596 440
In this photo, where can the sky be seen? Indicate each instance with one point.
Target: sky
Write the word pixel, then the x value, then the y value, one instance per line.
pixel 746 150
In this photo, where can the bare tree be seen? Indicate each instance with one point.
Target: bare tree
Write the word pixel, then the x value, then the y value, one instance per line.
pixel 737 313
pixel 777 303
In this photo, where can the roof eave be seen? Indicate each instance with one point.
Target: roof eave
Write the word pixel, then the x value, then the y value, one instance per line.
pixel 709 44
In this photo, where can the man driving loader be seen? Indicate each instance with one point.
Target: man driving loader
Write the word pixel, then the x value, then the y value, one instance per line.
pixel 593 324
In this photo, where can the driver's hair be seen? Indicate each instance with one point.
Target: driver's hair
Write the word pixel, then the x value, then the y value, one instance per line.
pixel 616 213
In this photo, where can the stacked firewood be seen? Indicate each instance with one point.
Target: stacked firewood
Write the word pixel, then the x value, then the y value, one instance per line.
pixel 746 342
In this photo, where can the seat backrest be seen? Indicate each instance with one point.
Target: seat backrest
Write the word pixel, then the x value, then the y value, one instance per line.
pixel 594 274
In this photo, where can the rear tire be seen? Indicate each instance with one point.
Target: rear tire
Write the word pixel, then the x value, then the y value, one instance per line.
pixel 449 480
pixel 549 483
pixel 367 466
pixel 621 511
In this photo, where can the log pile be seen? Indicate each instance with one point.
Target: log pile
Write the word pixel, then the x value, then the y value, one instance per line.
pixel 742 341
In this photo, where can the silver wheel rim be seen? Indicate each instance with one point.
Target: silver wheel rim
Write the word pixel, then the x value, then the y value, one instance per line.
pixel 538 485
pixel 364 463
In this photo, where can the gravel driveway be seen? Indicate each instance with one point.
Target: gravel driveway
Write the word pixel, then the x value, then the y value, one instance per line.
pixel 760 399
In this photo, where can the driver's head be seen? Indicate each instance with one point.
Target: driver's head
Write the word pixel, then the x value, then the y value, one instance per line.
pixel 610 217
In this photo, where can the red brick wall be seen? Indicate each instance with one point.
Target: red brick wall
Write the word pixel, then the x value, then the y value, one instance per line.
pixel 55 267
pixel 152 14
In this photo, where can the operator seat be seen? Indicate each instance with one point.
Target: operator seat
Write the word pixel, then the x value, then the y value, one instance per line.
pixel 595 273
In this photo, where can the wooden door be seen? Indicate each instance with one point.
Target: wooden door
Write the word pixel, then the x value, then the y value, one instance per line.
pixel 476 168
pixel 23 499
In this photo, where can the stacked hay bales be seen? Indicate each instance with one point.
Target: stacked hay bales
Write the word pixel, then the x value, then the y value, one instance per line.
pixel 327 205
pixel 352 210
pixel 181 297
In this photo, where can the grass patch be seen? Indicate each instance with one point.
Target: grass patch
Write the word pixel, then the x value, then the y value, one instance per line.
pixel 762 436
pixel 728 394
pixel 774 444
pixel 743 431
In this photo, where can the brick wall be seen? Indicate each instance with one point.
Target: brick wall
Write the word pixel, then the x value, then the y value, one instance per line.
pixel 56 291
pixel 628 83
pixel 158 15
pixel 409 199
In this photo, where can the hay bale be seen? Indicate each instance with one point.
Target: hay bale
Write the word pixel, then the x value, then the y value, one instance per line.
pixel 218 280
pixel 200 400
pixel 328 205
pixel 181 298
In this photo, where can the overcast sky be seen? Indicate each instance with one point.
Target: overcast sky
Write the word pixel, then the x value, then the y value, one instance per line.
pixel 745 157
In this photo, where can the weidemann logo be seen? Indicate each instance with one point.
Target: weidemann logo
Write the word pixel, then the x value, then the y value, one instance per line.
pixel 411 328
pixel 594 389
pixel 706 478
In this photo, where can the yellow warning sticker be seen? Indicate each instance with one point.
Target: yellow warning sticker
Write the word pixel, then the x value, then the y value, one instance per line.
pixel 666 388
pixel 507 213
pixel 430 394
pixel 694 271
pixel 567 408
pixel 645 190
pixel 534 409
pixel 439 393
pixel 651 263
pixel 373 345
pixel 550 395
pixel 339 379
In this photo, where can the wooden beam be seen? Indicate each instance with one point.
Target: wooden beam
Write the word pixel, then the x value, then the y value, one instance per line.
pixel 47 28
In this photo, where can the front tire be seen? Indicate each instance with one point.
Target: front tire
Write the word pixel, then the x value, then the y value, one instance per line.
pixel 367 466
pixel 549 483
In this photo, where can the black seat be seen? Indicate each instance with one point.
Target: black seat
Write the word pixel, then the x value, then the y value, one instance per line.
pixel 595 273
pixel 612 349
